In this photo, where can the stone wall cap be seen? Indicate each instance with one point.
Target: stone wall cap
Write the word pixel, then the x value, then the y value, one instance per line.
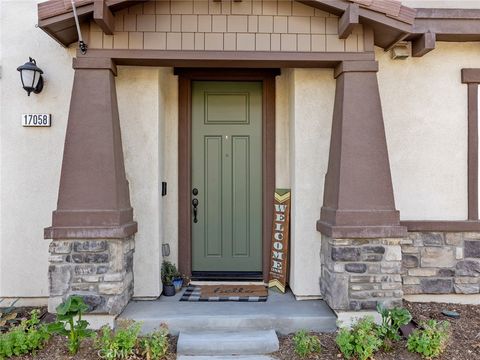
pixel 361 232
pixel 96 232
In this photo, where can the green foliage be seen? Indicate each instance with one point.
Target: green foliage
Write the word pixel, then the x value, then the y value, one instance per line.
pixel 169 273
pixel 305 344
pixel 361 341
pixel 26 338
pixel 119 344
pixel 429 341
pixel 392 320
pixel 155 346
pixel 66 325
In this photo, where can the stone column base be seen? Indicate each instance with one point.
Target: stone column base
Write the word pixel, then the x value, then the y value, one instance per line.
pixel 99 270
pixel 358 274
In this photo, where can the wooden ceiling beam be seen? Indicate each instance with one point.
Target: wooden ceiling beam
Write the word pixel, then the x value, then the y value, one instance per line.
pixel 348 21
pixel 423 44
pixel 103 16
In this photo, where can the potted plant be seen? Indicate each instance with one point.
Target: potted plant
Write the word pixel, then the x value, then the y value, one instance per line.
pixel 169 272
pixel 178 281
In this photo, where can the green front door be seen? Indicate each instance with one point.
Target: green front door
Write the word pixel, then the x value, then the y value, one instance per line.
pixel 227 176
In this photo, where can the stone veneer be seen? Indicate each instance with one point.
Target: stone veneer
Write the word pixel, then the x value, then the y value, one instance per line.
pixel 357 274
pixel 101 271
pixel 441 263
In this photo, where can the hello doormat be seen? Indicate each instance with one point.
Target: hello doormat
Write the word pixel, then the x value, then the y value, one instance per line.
pixel 242 293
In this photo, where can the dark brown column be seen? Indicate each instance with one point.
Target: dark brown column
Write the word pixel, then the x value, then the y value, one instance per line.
pixel 91 254
pixel 471 77
pixel 358 195
pixel 93 198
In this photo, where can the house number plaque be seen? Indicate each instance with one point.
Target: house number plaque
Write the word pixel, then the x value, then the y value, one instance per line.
pixel 280 236
pixel 36 120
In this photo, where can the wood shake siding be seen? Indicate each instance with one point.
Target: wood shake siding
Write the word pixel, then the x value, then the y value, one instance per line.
pixel 249 25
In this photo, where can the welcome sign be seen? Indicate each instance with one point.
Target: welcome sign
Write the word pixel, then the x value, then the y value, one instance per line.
pixel 280 236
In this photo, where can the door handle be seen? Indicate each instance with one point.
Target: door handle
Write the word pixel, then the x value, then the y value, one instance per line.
pixel 195 204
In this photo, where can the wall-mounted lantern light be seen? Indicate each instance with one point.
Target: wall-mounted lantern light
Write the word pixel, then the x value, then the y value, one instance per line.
pixel 31 76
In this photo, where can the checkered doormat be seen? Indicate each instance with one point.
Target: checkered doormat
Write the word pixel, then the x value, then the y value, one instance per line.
pixel 226 293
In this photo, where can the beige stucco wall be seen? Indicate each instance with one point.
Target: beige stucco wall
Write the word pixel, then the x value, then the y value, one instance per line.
pixel 311 109
pixel 142 116
pixel 425 111
pixel 30 158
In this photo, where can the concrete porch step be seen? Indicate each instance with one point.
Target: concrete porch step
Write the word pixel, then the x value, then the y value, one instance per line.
pixel 221 343
pixel 228 357
pixel 281 312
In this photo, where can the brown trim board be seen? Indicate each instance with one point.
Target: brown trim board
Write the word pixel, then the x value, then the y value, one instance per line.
pixel 227 59
pixel 186 76
pixel 440 225
pixel 473 151
pixel 448 24
pixel 471 77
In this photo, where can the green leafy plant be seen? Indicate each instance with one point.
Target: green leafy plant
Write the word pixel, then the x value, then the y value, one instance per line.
pixel 69 322
pixel 155 346
pixel 361 341
pixel 25 338
pixel 430 340
pixel 119 344
pixel 169 273
pixel 306 344
pixel 392 320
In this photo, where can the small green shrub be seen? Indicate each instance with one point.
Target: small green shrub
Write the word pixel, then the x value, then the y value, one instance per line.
pixel 25 338
pixel 392 320
pixel 305 344
pixel 119 344
pixel 429 341
pixel 155 346
pixel 66 325
pixel 169 272
pixel 361 341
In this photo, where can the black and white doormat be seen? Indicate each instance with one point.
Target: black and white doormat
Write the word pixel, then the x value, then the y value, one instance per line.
pixel 242 293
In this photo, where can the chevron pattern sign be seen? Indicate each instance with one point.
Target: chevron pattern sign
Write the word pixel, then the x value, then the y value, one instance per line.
pixel 280 238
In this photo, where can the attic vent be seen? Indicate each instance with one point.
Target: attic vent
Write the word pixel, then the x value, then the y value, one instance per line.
pixel 400 51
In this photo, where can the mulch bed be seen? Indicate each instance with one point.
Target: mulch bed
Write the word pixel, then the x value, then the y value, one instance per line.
pixel 56 349
pixel 464 342
pixel 22 313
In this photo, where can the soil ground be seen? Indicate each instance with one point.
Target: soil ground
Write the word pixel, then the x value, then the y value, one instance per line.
pixel 464 342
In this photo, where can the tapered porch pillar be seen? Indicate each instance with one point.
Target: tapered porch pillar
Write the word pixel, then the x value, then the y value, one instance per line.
pixel 358 196
pixel 360 252
pixel 92 227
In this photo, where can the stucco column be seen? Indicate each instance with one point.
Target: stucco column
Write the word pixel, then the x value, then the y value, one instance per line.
pixel 358 196
pixel 93 199
pixel 92 228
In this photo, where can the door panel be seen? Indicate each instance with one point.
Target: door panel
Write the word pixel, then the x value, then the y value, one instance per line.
pixel 227 171
pixel 213 198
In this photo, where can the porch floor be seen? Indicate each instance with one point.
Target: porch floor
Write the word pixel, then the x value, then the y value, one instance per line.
pixel 280 312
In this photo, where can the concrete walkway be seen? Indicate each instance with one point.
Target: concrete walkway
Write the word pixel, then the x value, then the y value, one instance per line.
pixel 281 312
